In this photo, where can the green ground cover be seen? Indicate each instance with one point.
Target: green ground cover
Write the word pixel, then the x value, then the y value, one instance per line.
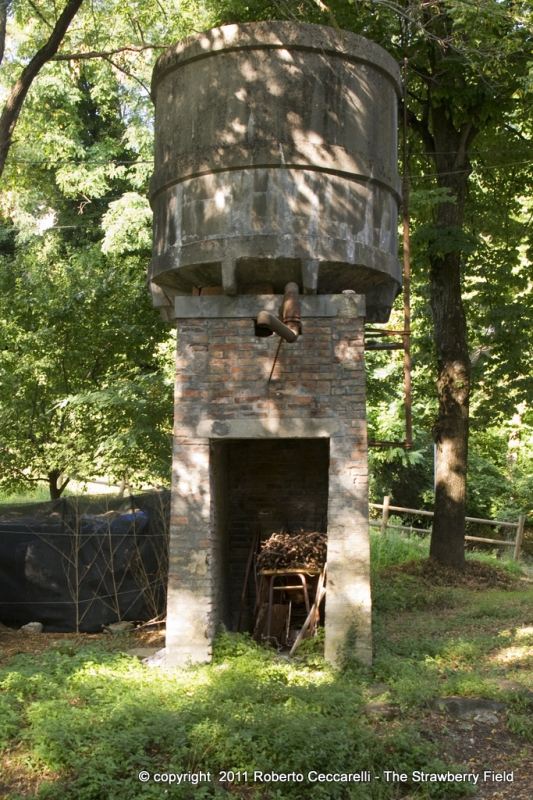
pixel 81 721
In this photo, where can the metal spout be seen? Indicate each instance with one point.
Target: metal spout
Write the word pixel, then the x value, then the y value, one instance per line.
pixel 267 324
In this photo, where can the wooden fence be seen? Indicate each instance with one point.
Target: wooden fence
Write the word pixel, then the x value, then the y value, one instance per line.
pixel 387 508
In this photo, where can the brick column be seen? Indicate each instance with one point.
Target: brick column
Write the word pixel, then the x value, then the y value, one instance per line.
pixel 189 616
pixel 348 599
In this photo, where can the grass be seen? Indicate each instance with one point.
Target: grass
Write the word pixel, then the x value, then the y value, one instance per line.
pixel 393 549
pixel 37 494
pixel 81 722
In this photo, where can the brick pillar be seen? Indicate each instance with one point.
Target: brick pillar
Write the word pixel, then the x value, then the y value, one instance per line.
pixel 348 599
pixel 189 616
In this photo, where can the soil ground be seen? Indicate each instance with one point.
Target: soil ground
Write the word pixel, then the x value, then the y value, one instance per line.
pixel 14 642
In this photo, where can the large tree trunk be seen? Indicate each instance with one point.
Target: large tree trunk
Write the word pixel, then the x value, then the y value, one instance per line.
pixel 451 428
pixel 21 87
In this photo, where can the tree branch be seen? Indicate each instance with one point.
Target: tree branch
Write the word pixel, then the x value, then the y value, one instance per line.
pixel 4 7
pixel 467 133
pixel 21 87
pixel 24 476
pixel 38 14
pixel 422 128
pixel 517 133
pixel 129 75
pixel 107 53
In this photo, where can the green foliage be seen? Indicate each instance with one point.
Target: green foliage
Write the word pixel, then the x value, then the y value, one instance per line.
pixel 96 719
pixel 455 652
pixel 393 549
pixel 83 391
pixel 127 225
pixel 405 593
pixel 438 243
pixel 92 719
pixel 85 366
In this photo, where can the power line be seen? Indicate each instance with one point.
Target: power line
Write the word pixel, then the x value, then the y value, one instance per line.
pixel 474 170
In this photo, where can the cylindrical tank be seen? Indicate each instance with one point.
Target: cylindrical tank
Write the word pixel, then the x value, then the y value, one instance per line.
pixel 276 161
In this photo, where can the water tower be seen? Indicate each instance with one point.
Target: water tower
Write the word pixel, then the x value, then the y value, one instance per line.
pixel 275 197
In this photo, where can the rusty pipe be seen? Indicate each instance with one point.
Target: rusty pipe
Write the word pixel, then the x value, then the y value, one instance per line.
pixel 289 326
pixel 291 313
pixel 266 320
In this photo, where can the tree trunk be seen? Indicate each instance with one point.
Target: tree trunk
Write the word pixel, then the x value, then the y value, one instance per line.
pixel 453 382
pixel 21 87
pixel 55 489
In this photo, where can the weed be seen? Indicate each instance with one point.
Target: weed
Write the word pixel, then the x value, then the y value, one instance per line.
pixel 393 549
pixel 95 719
pixel 89 720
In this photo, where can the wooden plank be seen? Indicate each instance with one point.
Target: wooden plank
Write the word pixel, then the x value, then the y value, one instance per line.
pixel 320 592
pixel 385 514
pixel 399 508
pixel 303 571
pixel 490 541
pixel 470 538
pixel 400 527
pixel 255 542
pixel 431 514
pixel 519 536
pixel 493 522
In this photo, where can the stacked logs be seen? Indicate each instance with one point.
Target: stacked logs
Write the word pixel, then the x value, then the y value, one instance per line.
pixel 293 551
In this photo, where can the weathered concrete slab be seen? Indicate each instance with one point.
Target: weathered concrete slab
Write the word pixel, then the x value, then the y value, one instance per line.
pixel 287 428
pixel 249 306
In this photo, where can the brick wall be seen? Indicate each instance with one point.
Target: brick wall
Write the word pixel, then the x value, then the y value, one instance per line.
pixel 223 392
pixel 272 484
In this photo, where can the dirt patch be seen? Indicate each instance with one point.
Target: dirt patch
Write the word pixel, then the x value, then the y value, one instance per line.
pixel 13 642
pixel 478 747
pixel 18 777
pixel 477 575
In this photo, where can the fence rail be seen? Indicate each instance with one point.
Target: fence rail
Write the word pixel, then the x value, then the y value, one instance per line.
pixel 387 508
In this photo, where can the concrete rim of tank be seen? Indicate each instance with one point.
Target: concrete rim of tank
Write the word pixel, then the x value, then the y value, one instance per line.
pixel 277 35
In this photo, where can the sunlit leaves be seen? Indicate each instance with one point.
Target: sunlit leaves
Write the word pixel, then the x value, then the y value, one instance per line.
pixel 127 225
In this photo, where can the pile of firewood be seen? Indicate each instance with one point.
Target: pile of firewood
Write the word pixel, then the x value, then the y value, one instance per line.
pixel 293 551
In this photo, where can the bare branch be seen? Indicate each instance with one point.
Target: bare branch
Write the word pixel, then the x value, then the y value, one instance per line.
pixel 129 75
pixel 107 54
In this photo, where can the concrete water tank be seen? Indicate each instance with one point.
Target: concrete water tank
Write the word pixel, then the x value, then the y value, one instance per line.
pixel 276 161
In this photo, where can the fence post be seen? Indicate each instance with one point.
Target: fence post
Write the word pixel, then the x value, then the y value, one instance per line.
pixel 519 536
pixel 385 514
